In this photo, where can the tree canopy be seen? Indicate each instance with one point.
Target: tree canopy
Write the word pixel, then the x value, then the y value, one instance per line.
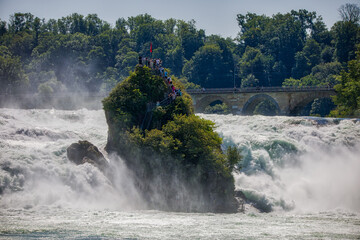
pixel 85 53
pixel 348 90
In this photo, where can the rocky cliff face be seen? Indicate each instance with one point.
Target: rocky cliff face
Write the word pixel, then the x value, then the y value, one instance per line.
pixel 177 159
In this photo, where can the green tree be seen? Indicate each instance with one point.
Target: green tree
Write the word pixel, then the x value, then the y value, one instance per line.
pixel 128 100
pixel 3 28
pixel 21 44
pixel 312 52
pixel 254 63
pixel 170 25
pixel 306 59
pixel 308 80
pixel 321 107
pixel 327 73
pixel 301 67
pixel 217 109
pixel 37 24
pixel 266 108
pixel 126 62
pixel 94 25
pixel 84 51
pixel 211 66
pixel 249 81
pixel 77 23
pixel 20 22
pixel 327 54
pixel 63 25
pixel 346 37
pixel 109 79
pixel 320 33
pixel 347 32
pixel 234 158
pixel 279 37
pixel 204 68
pixel 50 26
pixel 143 29
pixel 291 82
pixel 347 98
pixel 12 77
pixel 175 60
pixel 252 27
pixel 191 39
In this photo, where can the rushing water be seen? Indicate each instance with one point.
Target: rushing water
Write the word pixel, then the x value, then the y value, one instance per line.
pixel 305 172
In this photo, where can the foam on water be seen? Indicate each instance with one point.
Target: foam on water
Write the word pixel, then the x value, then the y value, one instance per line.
pixel 289 163
pixel 304 164
pixel 35 171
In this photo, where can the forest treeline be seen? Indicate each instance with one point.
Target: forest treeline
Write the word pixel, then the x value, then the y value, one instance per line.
pixel 85 53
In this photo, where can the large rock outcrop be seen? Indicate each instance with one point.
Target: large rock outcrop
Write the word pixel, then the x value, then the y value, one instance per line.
pixel 86 152
pixel 176 160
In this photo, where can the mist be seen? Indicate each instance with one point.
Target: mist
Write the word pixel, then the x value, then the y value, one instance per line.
pixel 291 164
pixel 320 181
pixel 297 164
pixel 35 171
pixel 61 101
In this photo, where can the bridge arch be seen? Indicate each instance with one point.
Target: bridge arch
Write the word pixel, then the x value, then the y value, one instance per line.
pixel 253 101
pixel 286 100
pixel 209 100
pixel 304 103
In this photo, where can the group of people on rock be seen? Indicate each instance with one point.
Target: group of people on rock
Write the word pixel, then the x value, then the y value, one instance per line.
pixel 156 65
pixel 174 92
pixel 151 63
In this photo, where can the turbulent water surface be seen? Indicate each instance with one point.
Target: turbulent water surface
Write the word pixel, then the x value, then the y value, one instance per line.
pixel 303 172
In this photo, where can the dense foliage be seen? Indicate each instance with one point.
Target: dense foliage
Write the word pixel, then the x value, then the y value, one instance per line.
pixel 321 107
pixel 217 109
pixel 266 108
pixel 88 52
pixel 78 53
pixel 178 161
pixel 348 91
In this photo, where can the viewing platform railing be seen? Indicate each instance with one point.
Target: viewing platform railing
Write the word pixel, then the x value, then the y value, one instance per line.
pixel 190 91
pixel 258 89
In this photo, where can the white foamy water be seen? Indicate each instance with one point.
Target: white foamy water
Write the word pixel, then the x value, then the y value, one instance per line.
pixel 306 172
pixel 304 164
pixel 35 171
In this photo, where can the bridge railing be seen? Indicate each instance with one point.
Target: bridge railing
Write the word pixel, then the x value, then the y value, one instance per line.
pixel 190 91
pixel 258 89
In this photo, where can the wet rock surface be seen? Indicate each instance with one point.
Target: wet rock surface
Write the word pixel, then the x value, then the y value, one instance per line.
pixel 86 152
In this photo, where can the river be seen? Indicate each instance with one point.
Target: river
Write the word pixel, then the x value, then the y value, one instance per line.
pixel 304 172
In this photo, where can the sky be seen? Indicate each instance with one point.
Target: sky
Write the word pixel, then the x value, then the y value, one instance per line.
pixel 214 16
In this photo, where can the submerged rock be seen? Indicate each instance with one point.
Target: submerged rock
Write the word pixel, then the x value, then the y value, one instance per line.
pixel 247 205
pixel 86 152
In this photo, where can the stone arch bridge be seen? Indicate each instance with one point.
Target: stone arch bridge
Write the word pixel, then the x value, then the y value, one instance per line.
pixel 288 100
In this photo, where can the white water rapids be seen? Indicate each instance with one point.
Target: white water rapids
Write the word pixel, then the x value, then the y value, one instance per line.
pixel 305 164
pixel 305 171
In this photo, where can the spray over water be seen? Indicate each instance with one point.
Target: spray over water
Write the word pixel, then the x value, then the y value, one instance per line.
pixel 35 171
pixel 288 163
pixel 303 164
